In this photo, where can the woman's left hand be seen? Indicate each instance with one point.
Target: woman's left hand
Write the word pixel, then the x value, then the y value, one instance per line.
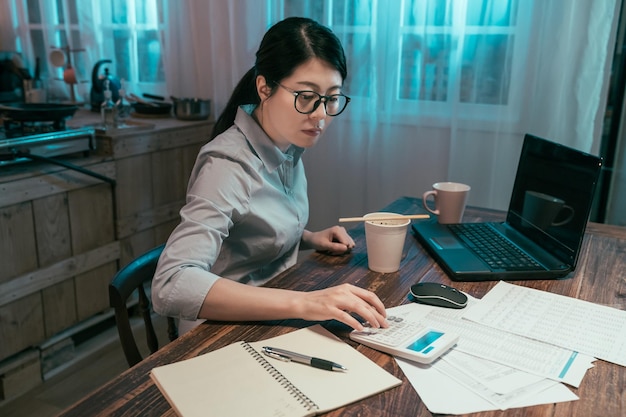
pixel 334 240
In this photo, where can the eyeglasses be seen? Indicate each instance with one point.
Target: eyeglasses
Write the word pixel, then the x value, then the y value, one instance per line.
pixel 306 101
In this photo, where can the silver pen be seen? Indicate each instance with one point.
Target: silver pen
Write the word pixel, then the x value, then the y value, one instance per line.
pixel 287 356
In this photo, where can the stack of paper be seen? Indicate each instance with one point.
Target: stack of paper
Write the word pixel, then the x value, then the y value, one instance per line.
pixel 518 347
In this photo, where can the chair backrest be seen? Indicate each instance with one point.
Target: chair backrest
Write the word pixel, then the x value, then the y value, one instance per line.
pixel 128 279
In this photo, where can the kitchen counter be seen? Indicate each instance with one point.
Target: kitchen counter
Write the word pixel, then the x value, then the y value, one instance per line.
pixel 84 117
pixel 64 234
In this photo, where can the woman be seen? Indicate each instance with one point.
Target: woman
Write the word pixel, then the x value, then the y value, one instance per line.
pixel 247 206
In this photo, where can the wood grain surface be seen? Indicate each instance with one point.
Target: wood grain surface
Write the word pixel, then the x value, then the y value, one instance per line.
pixel 599 277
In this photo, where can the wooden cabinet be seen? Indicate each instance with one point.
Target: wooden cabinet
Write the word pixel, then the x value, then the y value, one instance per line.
pixel 57 247
pixel 152 168
pixel 63 234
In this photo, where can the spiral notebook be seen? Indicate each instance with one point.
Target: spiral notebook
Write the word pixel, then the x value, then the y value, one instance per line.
pixel 238 380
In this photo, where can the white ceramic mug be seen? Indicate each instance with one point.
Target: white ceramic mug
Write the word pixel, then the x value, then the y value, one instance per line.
pixel 385 241
pixel 450 200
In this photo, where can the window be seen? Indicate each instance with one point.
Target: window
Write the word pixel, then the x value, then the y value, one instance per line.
pixel 130 33
pixel 428 56
pixel 51 25
pixel 132 36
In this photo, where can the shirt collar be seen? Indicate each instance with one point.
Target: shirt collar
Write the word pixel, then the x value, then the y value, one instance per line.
pixel 271 156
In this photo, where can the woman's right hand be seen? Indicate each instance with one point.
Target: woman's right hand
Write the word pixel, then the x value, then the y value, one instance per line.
pixel 337 303
pixel 234 301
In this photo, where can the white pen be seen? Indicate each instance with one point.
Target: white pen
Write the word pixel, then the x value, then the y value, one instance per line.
pixel 286 356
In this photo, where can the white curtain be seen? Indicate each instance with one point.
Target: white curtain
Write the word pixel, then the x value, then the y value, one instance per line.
pixel 7 29
pixel 373 153
pixel 433 99
pixel 210 45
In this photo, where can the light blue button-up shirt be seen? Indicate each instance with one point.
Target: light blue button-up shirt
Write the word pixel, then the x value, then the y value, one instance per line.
pixel 246 210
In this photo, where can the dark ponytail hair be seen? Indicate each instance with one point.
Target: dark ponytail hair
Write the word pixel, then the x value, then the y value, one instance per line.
pixel 285 46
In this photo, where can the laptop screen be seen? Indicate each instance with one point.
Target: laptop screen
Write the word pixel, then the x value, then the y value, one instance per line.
pixel 552 195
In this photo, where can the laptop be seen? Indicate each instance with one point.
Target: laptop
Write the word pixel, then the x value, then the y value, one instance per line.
pixel 545 224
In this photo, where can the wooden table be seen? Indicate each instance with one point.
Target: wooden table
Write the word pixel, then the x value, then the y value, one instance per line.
pixel 600 277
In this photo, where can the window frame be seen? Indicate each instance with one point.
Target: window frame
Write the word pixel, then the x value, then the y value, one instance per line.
pixel 50 27
pixel 384 26
pixel 469 113
pixel 107 27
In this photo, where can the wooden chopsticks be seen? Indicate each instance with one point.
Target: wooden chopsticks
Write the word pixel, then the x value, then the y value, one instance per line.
pixel 402 217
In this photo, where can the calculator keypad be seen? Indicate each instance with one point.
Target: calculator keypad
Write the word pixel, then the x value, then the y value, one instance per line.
pixel 398 331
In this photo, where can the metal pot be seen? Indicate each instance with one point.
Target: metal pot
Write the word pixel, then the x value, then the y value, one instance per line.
pixel 191 108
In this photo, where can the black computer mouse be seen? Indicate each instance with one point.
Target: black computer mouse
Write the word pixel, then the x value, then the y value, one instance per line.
pixel 439 295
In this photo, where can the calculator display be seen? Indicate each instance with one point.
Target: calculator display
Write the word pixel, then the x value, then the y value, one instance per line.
pixel 423 344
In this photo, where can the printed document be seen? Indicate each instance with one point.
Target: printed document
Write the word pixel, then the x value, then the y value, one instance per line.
pixel 519 352
pixel 434 385
pixel 479 384
pixel 581 326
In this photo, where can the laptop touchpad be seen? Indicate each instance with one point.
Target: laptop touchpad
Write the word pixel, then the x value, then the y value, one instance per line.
pixel 446 242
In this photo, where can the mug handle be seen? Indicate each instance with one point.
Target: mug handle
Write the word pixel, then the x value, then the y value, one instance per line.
pixel 569 217
pixel 425 197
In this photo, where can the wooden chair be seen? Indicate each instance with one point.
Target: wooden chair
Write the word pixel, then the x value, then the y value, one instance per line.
pixel 130 278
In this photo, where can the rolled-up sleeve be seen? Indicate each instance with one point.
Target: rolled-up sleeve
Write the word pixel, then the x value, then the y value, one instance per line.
pixel 180 293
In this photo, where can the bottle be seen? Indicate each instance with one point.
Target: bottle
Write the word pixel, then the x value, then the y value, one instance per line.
pixel 108 109
pixel 33 87
pixel 123 107
pixel 37 78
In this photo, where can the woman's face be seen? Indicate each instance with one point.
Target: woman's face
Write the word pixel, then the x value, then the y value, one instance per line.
pixel 277 114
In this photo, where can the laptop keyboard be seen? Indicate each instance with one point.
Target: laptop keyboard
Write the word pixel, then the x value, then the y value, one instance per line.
pixel 495 250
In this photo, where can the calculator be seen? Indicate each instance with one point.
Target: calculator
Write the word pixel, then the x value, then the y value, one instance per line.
pixel 407 339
